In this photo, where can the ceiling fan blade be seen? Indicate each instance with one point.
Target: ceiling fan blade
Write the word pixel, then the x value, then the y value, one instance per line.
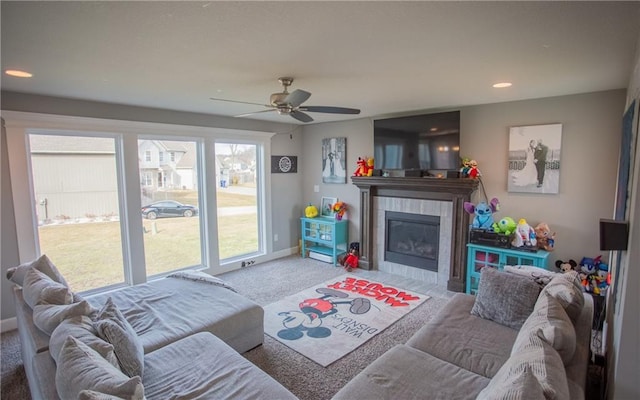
pixel 255 112
pixel 297 97
pixel 300 116
pixel 240 102
pixel 331 110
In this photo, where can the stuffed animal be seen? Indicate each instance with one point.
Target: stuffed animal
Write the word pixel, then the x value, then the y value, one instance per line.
pixel 525 235
pixel 505 226
pixel 466 166
pixel 311 211
pixel 483 218
pixel 370 163
pixel 361 169
pixel 474 172
pixel 566 266
pixel 351 260
pixel 590 265
pixel 545 238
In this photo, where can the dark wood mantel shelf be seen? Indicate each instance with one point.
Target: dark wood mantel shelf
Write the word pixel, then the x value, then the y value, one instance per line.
pixel 455 190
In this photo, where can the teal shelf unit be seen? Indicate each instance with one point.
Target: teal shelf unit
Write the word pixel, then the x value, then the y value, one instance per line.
pixel 325 236
pixel 479 256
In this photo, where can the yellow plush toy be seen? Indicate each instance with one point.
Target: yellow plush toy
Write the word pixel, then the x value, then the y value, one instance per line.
pixel 311 211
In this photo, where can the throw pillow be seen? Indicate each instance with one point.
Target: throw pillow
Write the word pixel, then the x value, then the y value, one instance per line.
pixel 39 288
pixel 549 321
pixel 42 264
pixel 48 316
pixel 93 395
pixel 81 368
pixel 507 385
pixel 540 275
pixel 81 328
pixel 505 298
pixel 567 290
pixel 115 329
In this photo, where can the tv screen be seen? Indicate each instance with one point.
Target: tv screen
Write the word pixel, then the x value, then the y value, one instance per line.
pixel 428 142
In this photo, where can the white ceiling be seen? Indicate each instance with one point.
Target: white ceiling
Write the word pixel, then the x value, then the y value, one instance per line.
pixel 381 57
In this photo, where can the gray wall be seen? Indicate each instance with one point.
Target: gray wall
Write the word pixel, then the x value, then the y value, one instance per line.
pixel 590 146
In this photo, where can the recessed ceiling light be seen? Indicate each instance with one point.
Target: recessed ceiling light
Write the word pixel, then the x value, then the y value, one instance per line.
pixel 18 74
pixel 502 84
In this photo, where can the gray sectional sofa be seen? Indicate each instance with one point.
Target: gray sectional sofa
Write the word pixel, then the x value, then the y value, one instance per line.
pixel 178 337
pixel 468 351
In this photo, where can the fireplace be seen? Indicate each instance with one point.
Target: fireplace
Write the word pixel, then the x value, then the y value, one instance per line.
pixel 424 196
pixel 412 239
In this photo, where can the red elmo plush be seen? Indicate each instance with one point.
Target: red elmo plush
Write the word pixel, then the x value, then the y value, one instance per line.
pixel 351 260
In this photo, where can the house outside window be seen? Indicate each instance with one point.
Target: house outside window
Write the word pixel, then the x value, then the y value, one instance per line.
pixel 147 156
pixel 173 156
pixel 161 156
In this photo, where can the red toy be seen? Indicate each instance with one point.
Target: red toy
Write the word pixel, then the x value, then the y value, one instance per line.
pixel 474 172
pixel 351 260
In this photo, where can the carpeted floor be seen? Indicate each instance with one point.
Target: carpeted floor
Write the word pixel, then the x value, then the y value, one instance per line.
pixel 266 283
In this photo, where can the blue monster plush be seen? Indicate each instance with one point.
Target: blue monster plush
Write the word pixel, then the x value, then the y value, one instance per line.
pixel 483 218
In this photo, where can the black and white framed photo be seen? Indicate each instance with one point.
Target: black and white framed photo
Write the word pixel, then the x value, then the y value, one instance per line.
pixel 534 159
pixel 284 164
pixel 333 160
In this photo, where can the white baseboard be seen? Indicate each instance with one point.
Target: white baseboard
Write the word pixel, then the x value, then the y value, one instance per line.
pixel 8 324
pixel 235 265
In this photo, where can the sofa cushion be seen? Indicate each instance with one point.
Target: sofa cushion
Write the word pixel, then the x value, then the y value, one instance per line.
pixel 81 368
pixel 407 373
pixel 114 328
pixel 42 264
pixel 93 395
pixel 39 288
pixel 522 386
pixel 458 337
pixel 544 362
pixel 203 366
pixel 567 290
pixel 48 316
pixel 81 328
pixel 505 298
pixel 549 321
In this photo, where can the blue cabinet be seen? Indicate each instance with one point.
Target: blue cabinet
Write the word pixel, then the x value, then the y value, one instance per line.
pixel 324 236
pixel 479 256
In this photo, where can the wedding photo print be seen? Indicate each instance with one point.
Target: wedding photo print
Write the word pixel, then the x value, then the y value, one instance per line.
pixel 333 160
pixel 534 159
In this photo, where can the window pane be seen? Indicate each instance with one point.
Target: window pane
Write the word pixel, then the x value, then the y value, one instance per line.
pixel 76 197
pixel 170 198
pixel 238 227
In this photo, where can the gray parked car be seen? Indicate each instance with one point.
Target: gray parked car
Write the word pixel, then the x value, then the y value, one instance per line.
pixel 168 208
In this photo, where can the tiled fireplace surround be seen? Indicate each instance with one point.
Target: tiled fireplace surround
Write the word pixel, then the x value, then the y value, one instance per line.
pixel 428 196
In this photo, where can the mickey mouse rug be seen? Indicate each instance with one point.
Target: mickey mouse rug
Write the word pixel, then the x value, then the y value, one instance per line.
pixel 329 320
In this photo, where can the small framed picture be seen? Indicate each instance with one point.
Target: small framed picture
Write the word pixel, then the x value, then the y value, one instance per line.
pixel 325 206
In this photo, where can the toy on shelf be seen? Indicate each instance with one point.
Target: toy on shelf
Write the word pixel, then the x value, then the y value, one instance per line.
pixel 505 226
pixel 466 166
pixel 545 238
pixel 594 275
pixel 365 167
pixel 566 266
pixel 483 218
pixel 474 172
pixel 311 211
pixel 525 235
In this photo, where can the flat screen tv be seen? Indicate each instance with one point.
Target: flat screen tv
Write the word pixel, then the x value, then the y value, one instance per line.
pixel 428 142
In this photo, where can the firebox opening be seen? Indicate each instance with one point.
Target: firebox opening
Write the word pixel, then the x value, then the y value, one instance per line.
pixel 412 239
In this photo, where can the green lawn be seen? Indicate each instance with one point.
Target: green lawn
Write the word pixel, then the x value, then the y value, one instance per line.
pixel 89 255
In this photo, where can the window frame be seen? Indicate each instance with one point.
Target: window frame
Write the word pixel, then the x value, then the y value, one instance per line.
pixel 17 124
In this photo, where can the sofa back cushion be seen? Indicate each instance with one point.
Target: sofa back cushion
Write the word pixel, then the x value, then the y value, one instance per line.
pixel 48 316
pixel 533 357
pixel 38 288
pixel 551 323
pixel 567 290
pixel 81 328
pixel 42 264
pixel 505 298
pixel 81 368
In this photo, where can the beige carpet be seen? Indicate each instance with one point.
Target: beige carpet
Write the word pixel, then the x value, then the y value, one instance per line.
pixel 265 284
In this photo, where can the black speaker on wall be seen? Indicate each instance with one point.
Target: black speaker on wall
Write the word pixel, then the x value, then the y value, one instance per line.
pixel 614 235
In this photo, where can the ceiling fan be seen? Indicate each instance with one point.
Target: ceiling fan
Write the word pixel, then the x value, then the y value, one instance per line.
pixel 286 103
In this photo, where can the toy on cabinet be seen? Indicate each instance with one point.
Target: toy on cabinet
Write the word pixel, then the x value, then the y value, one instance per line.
pixel 545 238
pixel 525 235
pixel 466 166
pixel 505 226
pixel 474 172
pixel 566 266
pixel 311 211
pixel 483 218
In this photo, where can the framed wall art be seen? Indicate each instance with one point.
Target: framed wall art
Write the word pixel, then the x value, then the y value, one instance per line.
pixel 333 160
pixel 534 159
pixel 284 164
pixel 325 206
